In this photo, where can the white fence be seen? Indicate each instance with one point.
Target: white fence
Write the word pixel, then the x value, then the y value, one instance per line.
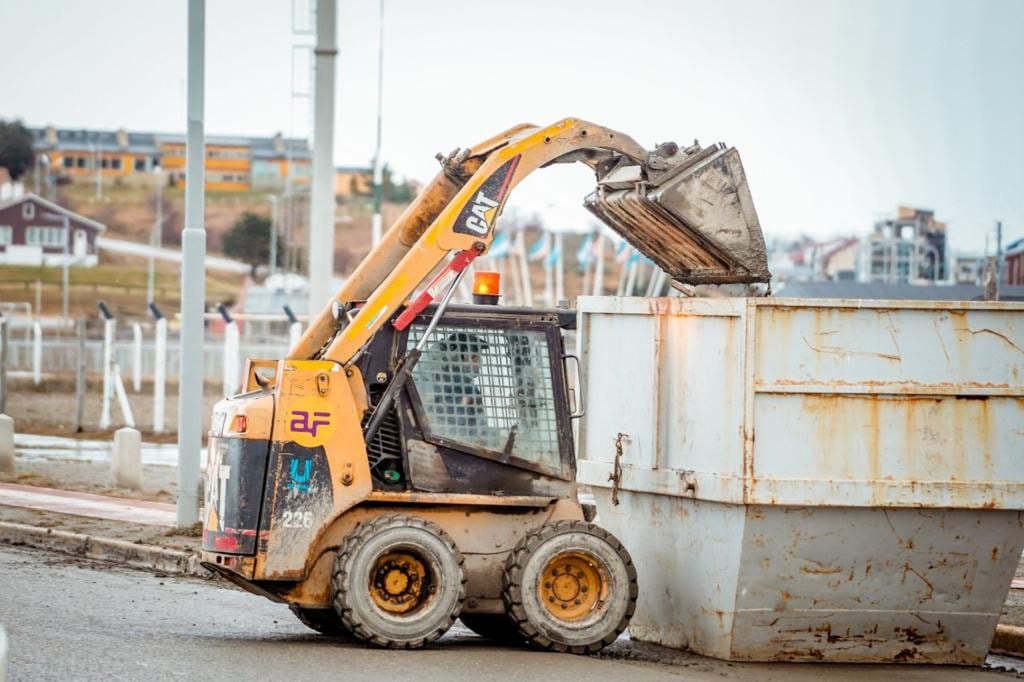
pixel 60 355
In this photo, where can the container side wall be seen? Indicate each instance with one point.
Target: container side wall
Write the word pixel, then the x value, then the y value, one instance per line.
pixel 687 559
pixel 843 584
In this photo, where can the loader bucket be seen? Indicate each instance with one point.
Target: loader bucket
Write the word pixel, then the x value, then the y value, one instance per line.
pixel 689 211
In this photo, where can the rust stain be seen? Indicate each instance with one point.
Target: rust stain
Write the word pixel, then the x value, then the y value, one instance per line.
pixel 819 568
pixel 907 568
pixel 845 353
pixel 1004 337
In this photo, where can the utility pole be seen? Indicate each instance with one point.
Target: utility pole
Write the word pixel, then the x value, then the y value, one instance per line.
pixel 378 166
pixel 193 284
pixel 99 171
pixel 273 234
pixel 321 204
pixel 999 251
pixel 156 239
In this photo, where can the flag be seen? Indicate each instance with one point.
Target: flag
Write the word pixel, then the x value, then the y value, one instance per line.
pixel 554 252
pixel 540 248
pixel 622 251
pixel 585 253
pixel 500 247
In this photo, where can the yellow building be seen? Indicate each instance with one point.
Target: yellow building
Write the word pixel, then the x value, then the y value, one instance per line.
pixel 233 164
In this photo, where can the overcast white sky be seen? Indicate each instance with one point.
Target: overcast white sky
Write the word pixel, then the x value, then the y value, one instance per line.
pixel 840 109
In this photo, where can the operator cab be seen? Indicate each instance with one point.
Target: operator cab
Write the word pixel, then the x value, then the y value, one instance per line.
pixel 487 409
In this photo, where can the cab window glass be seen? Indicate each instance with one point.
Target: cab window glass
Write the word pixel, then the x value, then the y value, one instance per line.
pixel 489 389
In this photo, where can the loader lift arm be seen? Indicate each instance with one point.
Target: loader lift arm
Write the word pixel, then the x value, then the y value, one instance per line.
pixel 638 195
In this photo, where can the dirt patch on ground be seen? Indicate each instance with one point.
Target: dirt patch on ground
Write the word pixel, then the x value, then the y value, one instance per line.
pixel 138 533
pixel 159 483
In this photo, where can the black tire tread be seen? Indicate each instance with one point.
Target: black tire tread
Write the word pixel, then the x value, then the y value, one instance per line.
pixel 512 577
pixel 363 532
pixel 495 627
pixel 315 619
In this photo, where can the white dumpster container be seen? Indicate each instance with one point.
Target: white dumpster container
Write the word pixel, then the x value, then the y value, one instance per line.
pixel 809 480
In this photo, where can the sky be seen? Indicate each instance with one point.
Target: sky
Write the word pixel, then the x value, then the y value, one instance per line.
pixel 841 109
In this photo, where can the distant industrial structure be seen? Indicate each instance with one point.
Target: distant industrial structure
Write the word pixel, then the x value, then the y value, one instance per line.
pixel 1013 264
pixel 911 247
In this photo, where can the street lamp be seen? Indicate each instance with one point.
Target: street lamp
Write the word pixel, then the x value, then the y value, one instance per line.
pixel 41 160
pixel 65 275
pixel 156 239
pixel 273 234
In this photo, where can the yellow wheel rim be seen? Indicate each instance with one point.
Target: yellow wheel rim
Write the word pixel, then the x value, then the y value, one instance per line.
pixel 399 582
pixel 573 585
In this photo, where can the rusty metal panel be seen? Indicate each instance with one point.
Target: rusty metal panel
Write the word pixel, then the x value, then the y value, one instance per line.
pixel 933 348
pixel 871 584
pixel 687 557
pixel 888 450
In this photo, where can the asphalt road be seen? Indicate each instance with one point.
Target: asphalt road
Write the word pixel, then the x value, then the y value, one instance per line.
pixel 75 620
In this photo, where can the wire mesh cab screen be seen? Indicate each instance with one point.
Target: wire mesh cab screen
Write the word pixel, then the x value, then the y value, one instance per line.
pixel 489 389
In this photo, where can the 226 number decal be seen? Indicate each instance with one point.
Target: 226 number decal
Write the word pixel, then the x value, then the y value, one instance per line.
pixel 297 519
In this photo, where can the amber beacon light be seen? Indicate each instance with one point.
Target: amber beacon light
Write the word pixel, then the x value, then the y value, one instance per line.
pixel 486 287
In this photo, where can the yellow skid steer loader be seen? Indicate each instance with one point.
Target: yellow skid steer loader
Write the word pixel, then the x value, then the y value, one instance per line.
pixel 412 462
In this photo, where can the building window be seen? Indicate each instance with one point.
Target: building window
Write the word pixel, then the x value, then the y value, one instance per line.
pixel 44 236
pixel 68 161
pixel 115 164
pixel 28 211
pixel 140 164
pixel 104 163
pixel 6 235
pixel 80 162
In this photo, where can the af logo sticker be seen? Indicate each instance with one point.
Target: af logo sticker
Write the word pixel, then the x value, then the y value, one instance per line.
pixel 309 421
pixel 478 216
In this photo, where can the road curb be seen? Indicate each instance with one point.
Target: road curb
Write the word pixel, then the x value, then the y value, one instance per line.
pixel 148 557
pixel 1009 639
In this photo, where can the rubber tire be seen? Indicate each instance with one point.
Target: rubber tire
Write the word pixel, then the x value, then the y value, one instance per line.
pixel 522 572
pixel 325 621
pixel 495 627
pixel 364 619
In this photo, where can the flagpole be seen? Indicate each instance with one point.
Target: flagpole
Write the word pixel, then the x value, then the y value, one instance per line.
pixel 620 290
pixel 633 266
pixel 599 267
pixel 559 270
pixel 524 270
pixel 513 269
pixel 548 288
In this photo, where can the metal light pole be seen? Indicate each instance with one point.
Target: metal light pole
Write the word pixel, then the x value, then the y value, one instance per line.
pixel 193 284
pixel 156 238
pixel 65 264
pixel 321 205
pixel 99 172
pixel 66 275
pixel 378 168
pixel 273 234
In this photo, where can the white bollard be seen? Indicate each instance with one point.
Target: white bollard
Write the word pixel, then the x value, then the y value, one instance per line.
pixel 6 444
pixel 126 463
pixel 3 654
pixel 137 357
pixel 122 398
pixel 231 358
pixel 108 389
pixel 159 375
pixel 37 353
pixel 294 333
